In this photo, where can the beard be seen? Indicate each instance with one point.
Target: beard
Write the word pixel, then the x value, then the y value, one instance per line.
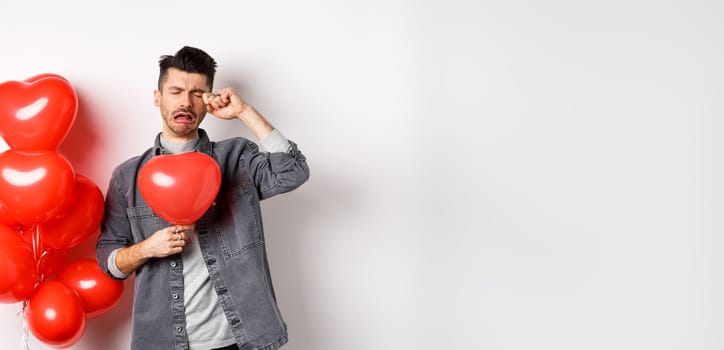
pixel 183 129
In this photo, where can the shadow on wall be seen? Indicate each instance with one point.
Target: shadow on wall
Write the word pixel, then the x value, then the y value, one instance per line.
pixel 289 220
pixel 82 142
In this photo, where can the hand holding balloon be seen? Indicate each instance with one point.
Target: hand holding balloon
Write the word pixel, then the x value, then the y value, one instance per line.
pixel 166 241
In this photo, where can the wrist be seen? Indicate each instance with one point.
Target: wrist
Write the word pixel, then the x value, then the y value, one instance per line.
pixel 142 252
pixel 247 112
pixel 254 121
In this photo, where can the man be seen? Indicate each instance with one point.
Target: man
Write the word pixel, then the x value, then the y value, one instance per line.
pixel 207 285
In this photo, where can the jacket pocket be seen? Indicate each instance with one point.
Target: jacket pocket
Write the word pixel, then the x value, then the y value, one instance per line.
pixel 238 221
pixel 144 222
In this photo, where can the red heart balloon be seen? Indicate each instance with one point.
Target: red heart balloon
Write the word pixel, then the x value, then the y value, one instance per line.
pixel 37 114
pixel 7 219
pixel 34 184
pixel 49 261
pixel 17 267
pixel 99 292
pixel 180 187
pixel 78 219
pixel 55 314
pixel 44 75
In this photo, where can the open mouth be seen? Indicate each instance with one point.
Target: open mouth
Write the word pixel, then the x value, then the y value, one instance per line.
pixel 183 118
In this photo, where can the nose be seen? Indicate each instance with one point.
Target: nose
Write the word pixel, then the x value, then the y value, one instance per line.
pixel 185 100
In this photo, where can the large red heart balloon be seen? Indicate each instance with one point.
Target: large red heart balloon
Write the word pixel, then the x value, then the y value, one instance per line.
pixel 17 267
pixel 99 292
pixel 37 114
pixel 55 314
pixel 7 219
pixel 78 219
pixel 44 75
pixel 34 184
pixel 180 187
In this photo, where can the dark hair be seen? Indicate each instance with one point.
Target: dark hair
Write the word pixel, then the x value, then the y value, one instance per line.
pixel 188 59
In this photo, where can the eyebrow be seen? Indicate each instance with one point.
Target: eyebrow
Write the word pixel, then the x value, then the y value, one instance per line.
pixel 174 87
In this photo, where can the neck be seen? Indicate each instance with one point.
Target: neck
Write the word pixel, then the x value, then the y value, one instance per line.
pixel 170 136
pixel 179 145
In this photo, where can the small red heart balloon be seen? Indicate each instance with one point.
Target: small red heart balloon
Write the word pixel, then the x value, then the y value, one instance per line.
pixel 34 184
pixel 180 187
pixel 78 219
pixel 37 114
pixel 99 292
pixel 56 315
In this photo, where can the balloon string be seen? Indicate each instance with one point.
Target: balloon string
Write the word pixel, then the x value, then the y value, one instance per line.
pixel 38 254
pixel 25 339
pixel 41 275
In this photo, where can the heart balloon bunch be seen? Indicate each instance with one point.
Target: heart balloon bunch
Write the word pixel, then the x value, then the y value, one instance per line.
pixel 45 210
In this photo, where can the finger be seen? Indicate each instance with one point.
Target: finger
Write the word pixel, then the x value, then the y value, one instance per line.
pixel 178 244
pixel 171 233
pixel 180 232
pixel 217 101
pixel 180 228
pixel 174 250
pixel 207 97
pixel 225 95
pixel 211 104
pixel 213 100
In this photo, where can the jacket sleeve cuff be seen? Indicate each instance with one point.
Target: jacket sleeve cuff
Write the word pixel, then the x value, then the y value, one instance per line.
pixel 275 142
pixel 113 268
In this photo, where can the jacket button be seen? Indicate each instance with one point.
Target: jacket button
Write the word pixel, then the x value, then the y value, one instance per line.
pixel 211 261
pixel 175 296
pixel 173 264
pixel 235 321
pixel 179 329
pixel 222 290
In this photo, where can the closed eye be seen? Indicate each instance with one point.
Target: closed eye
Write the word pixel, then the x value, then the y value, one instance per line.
pixel 198 92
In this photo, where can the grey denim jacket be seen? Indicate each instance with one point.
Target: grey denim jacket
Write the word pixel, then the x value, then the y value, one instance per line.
pixel 231 237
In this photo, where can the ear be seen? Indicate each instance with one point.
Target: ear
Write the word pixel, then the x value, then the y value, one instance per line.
pixel 157 98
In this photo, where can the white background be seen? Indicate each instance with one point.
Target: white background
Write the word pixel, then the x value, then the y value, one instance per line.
pixel 501 175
